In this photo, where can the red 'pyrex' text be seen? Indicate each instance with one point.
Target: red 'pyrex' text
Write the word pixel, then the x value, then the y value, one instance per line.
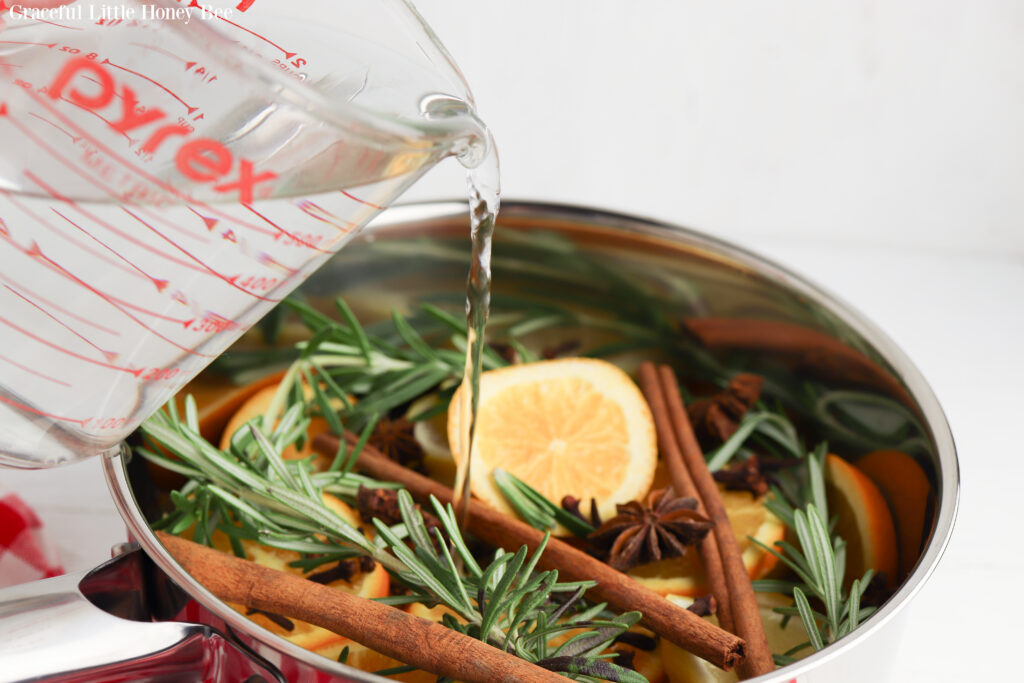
pixel 203 160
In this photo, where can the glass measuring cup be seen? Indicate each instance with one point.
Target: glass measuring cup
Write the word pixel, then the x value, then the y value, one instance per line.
pixel 169 170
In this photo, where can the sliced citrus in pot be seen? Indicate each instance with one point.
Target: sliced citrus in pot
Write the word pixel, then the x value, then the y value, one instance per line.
pixel 218 402
pixel 908 492
pixel 255 406
pixel 577 426
pixel 864 521
pixel 362 657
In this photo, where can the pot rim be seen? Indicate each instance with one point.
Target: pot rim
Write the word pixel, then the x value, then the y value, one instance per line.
pixel 406 215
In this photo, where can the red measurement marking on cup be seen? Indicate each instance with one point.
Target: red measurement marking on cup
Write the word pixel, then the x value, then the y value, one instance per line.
pixel 64 311
pixel 189 107
pixel 100 83
pixel 17 42
pixel 40 221
pixel 33 372
pixel 211 223
pixel 74 138
pixel 105 120
pixel 32 410
pixel 111 356
pixel 70 202
pixel 154 314
pixel 244 5
pixel 267 260
pixel 212 271
pixel 69 352
pixel 307 239
pixel 12 66
pixel 189 65
pixel 93 181
pixel 157 374
pixel 315 211
pixel 160 285
pixel 362 201
pixel 154 48
pixel 180 229
pixel 281 231
pixel 211 322
pixel 50 23
pixel 268 41
pixel 250 282
pixel 36 252
pixel 139 170
pixel 110 422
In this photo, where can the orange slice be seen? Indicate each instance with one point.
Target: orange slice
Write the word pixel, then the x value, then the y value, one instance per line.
pixel 366 659
pixel 685 575
pixel 255 406
pixel 362 657
pixel 218 401
pixel 865 522
pixel 906 489
pixel 577 426
pixel 647 663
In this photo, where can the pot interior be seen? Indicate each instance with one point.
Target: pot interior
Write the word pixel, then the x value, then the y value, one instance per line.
pixel 637 290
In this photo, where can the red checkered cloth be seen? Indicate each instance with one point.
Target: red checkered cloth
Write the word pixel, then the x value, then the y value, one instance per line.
pixel 25 553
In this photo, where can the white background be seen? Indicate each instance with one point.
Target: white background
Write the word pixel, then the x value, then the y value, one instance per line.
pixel 875 147
pixel 895 123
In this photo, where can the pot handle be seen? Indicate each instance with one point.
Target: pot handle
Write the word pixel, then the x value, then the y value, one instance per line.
pixel 55 630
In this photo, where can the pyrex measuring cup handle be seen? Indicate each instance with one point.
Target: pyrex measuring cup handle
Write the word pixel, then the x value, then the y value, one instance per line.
pixel 50 631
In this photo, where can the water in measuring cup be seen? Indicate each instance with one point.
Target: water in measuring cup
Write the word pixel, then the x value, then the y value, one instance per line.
pixel 137 245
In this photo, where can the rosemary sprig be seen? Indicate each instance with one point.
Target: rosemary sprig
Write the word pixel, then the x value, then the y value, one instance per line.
pixel 535 509
pixel 386 370
pixel 764 427
pixel 864 422
pixel 819 561
pixel 250 493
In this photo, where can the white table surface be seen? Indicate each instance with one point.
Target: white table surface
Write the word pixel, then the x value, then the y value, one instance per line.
pixel 958 316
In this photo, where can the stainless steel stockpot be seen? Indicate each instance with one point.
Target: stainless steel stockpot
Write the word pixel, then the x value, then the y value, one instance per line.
pixel 140 617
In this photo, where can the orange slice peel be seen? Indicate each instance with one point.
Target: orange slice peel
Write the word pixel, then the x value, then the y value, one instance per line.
pixel 576 426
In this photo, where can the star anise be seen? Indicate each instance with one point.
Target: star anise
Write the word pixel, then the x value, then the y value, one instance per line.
pixel 717 418
pixel 747 475
pixel 343 569
pixel 394 438
pixel 508 353
pixel 383 505
pixel 642 533
pixel 566 348
pixel 571 504
pixel 704 605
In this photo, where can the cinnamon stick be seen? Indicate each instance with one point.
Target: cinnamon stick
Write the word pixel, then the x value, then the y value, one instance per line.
pixel 684 486
pixel 622 593
pixel 413 640
pixel 815 350
pixel 745 612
